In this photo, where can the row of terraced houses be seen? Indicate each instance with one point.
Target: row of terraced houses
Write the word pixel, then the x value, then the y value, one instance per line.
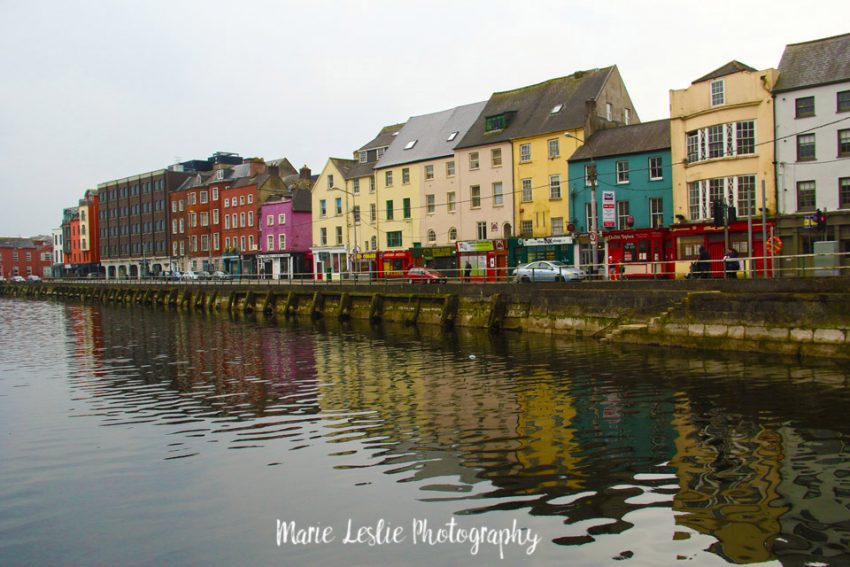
pixel 563 169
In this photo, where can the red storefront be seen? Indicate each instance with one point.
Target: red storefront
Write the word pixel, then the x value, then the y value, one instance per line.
pixel 669 252
pixel 483 260
pixel 394 263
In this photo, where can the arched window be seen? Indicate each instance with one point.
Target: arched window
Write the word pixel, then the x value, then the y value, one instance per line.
pixel 432 236
pixel 506 230
pixel 452 233
pixel 374 243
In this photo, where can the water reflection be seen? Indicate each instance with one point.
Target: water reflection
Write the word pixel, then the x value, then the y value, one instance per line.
pixel 746 450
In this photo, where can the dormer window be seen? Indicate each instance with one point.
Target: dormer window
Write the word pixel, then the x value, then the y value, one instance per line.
pixel 219 174
pixel 556 109
pixel 380 152
pixel 363 156
pixel 493 123
pixel 452 136
pixel 410 144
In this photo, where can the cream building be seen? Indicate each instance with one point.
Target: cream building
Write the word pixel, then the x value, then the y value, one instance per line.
pixel 721 130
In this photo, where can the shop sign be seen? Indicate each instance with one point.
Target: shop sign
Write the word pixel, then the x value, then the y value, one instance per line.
pixel 395 254
pixel 476 246
pixel 609 209
pixel 439 252
pixel 550 241
pixel 366 256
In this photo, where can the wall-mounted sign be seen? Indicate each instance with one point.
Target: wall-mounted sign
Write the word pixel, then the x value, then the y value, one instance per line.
pixel 609 209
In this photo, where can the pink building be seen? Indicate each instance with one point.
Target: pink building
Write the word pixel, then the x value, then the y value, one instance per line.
pixel 286 236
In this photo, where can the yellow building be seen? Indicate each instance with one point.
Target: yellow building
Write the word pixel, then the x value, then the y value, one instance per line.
pixel 534 120
pixel 721 130
pixel 345 210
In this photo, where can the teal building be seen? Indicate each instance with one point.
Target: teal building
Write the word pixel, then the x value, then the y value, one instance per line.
pixel 634 186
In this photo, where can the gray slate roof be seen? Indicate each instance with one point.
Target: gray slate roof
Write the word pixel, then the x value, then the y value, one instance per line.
pixel 533 106
pixel 431 133
pixel 16 242
pixel 346 165
pixel 637 138
pixel 817 62
pixel 384 138
pixel 727 69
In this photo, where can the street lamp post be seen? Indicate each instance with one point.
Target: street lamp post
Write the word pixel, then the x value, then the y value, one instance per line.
pixel 352 250
pixel 594 221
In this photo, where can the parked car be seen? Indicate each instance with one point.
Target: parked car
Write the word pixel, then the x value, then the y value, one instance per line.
pixel 548 271
pixel 190 275
pixel 32 278
pixel 203 275
pixel 424 275
pixel 2 279
pixel 219 275
pixel 17 279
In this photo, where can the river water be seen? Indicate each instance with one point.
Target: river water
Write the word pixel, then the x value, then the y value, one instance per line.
pixel 136 436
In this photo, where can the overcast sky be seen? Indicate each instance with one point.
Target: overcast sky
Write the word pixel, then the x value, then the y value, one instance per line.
pixel 97 90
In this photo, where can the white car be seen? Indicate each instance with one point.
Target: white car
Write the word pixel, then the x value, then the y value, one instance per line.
pixel 17 279
pixel 190 275
pixel 548 271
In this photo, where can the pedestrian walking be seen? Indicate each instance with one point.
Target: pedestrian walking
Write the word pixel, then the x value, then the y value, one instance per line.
pixel 731 264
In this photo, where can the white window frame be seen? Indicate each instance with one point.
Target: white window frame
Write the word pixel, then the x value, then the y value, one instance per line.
pixel 525 153
pixel 659 167
pixel 717 92
pixel 622 172
pixel 555 186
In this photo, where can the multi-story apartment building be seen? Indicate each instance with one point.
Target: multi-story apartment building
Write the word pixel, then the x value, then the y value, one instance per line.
pixel 245 196
pixel 633 178
pixel 417 188
pixel 68 215
pixel 134 219
pixel 720 132
pixel 58 256
pixel 543 124
pixel 721 129
pixel 286 235
pixel 25 256
pixel 348 242
pixel 89 254
pixel 812 110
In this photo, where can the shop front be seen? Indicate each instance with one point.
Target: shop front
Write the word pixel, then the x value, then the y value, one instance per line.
pixel 440 258
pixel 329 263
pixel 284 266
pixel 364 265
pixel 394 263
pixel 525 250
pixel 483 260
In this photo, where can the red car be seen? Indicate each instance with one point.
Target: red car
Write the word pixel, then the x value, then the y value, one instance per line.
pixel 424 275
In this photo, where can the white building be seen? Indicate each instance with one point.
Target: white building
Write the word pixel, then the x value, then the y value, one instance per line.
pixel 812 142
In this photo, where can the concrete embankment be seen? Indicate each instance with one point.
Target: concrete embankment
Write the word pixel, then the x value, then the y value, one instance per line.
pixel 805 317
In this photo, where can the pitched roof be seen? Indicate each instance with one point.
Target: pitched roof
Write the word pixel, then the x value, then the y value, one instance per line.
pixel 284 166
pixel 16 242
pixel 344 166
pixel 384 138
pixel 644 137
pixel 815 62
pixel 529 109
pixel 727 69
pixel 430 136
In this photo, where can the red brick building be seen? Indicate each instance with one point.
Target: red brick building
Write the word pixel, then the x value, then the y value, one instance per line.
pixel 25 256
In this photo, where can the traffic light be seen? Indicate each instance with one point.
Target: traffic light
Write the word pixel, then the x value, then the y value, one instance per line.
pixel 717 213
pixel 820 219
pixel 731 214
